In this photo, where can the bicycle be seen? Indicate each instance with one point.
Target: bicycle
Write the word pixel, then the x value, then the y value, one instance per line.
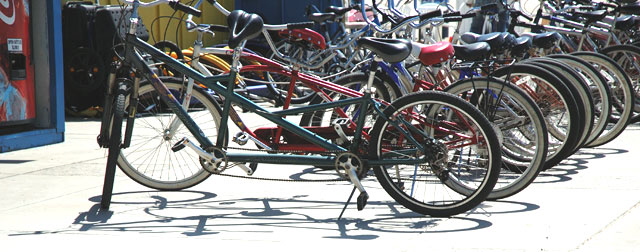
pixel 421 140
pixel 508 108
pixel 621 86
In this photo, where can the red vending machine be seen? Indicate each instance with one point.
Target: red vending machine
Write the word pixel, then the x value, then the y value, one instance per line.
pixel 17 89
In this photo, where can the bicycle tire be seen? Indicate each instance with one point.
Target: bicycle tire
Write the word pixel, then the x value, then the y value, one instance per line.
pixel 621 91
pixel 465 195
pixel 114 142
pixel 630 63
pixel 523 130
pixel 557 102
pixel 149 160
pixel 578 88
pixel 599 90
pixel 557 99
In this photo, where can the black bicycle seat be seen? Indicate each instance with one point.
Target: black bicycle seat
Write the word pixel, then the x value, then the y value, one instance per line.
pixel 592 16
pixel 321 17
pixel 495 39
pixel 508 40
pixel 631 9
pixel 625 22
pixel 339 11
pixel 546 40
pixel 390 50
pixel 243 26
pixel 521 46
pixel 472 52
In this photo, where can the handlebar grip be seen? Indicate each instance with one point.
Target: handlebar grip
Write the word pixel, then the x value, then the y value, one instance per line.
pixel 219 28
pixel 301 25
pixel 452 19
pixel 468 15
pixel 431 14
pixel 185 8
pixel 451 14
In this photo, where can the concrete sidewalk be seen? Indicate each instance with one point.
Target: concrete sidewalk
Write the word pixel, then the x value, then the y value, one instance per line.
pixel 50 199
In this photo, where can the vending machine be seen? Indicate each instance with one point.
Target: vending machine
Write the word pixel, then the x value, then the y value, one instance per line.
pixel 17 88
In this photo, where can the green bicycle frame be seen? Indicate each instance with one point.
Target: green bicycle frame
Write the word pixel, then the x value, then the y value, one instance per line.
pixel 215 83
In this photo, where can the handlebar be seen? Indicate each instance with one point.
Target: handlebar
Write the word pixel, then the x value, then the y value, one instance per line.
pixel 174 4
pixel 425 18
pixel 185 8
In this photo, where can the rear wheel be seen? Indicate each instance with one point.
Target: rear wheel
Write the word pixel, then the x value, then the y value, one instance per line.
pixel 622 95
pixel 578 88
pixel 598 88
pixel 460 163
pixel 628 57
pixel 558 106
pixel 522 130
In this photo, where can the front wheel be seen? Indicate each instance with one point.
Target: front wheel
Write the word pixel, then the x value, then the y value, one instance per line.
pixel 149 159
pixel 436 154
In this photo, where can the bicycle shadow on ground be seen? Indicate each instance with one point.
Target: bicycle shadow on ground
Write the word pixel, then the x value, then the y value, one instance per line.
pixel 153 212
pixel 574 164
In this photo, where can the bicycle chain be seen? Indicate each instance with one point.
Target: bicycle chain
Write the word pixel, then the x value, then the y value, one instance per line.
pixel 280 180
pixel 286 180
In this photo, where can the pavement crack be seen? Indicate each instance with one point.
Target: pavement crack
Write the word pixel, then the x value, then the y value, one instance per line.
pixel 607 226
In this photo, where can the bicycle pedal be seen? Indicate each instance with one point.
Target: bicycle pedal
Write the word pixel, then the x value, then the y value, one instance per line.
pixel 241 138
pixel 103 142
pixel 253 166
pixel 362 200
pixel 179 145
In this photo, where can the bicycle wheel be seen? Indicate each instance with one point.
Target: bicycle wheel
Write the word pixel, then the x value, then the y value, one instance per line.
pixel 628 57
pixel 557 104
pixel 460 163
pixel 578 88
pixel 522 130
pixel 115 129
pixel 622 95
pixel 598 88
pixel 149 160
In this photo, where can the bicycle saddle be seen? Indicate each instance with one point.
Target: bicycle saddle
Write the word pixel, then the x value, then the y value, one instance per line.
pixel 321 17
pixel 472 52
pixel 625 1
pixel 544 40
pixel 625 22
pixel 499 41
pixel 521 46
pixel 591 16
pixel 631 9
pixel 434 53
pixel 390 50
pixel 339 11
pixel 243 26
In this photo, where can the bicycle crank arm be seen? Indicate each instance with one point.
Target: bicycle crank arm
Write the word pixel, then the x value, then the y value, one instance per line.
pixel 184 142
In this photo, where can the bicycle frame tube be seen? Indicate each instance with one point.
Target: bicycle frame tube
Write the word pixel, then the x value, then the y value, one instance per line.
pixel 213 82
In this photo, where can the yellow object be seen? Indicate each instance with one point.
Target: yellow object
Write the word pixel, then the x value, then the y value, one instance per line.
pixel 180 35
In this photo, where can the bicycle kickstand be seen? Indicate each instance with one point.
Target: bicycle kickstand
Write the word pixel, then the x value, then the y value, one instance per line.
pixel 350 164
